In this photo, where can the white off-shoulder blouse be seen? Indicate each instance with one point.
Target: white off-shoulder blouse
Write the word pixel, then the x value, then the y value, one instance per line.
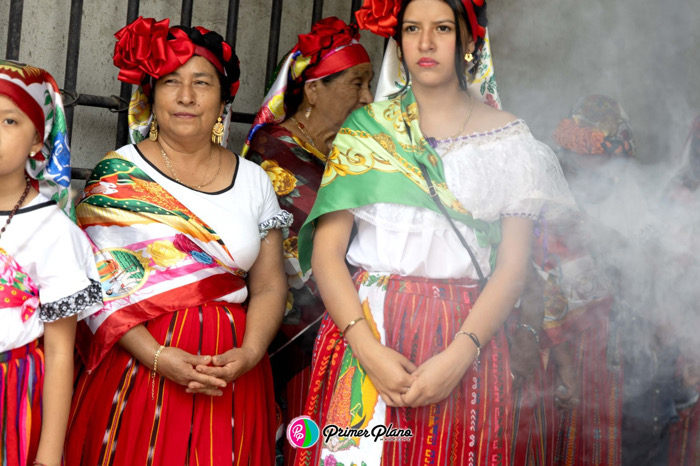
pixel 504 172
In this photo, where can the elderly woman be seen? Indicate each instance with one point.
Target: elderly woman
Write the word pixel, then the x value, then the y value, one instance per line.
pixel 323 79
pixel 187 232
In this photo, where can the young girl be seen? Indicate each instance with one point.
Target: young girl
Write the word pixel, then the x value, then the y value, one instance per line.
pixel 48 278
pixel 416 344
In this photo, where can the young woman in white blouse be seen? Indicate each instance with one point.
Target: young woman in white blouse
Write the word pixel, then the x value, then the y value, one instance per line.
pixel 415 341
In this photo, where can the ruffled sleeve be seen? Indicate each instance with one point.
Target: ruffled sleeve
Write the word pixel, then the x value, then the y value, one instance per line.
pixel 70 284
pixel 272 216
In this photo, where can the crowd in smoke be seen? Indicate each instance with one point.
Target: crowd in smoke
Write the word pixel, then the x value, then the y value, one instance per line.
pixel 640 224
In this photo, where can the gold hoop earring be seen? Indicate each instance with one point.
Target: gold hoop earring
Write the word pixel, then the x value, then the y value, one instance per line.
pixel 153 131
pixel 307 113
pixel 468 57
pixel 217 132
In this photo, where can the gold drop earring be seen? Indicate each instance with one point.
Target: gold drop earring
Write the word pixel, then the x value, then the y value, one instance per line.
pixel 153 131
pixel 217 132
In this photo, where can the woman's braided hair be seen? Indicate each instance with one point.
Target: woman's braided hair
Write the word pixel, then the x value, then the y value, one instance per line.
pixel 215 43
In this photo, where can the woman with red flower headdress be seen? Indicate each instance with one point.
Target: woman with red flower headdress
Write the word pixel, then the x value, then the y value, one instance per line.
pixel 320 82
pixel 411 363
pixel 190 263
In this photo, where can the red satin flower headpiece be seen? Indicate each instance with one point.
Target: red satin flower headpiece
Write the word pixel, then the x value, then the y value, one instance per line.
pixel 143 49
pixel 326 35
pixel 379 16
pixel 149 48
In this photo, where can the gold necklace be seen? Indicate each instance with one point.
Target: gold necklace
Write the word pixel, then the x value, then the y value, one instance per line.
pixel 469 117
pixel 303 131
pixel 174 175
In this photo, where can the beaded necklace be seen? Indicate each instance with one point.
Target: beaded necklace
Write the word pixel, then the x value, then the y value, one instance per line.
pixel 16 207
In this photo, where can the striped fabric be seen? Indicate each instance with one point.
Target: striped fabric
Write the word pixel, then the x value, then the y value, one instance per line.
pixel 685 438
pixel 418 318
pixel 114 421
pixel 21 384
pixel 590 434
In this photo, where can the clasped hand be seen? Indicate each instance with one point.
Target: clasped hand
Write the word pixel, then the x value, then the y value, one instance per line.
pixel 204 374
pixel 401 383
pixel 436 378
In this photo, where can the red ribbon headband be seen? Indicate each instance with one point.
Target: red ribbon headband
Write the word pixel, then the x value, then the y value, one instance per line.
pixel 26 103
pixel 342 59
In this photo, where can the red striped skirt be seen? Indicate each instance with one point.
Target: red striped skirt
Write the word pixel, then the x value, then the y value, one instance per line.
pixel 590 433
pixel 21 389
pixel 419 318
pixel 114 421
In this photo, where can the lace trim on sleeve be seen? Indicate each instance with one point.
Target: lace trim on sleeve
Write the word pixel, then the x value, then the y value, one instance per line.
pixel 281 220
pixel 73 304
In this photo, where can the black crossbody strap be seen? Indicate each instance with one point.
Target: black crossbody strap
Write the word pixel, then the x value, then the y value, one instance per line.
pixel 434 196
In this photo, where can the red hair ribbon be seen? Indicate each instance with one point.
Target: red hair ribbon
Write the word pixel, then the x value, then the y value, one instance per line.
pixel 478 31
pixel 346 57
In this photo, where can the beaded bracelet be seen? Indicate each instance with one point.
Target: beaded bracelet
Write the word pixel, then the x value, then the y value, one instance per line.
pixel 473 338
pixel 531 330
pixel 351 324
pixel 154 371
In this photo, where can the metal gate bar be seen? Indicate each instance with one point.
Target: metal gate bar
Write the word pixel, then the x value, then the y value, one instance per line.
pixel 72 55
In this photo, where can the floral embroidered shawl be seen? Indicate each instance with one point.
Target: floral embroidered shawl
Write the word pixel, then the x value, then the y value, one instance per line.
pixel 155 255
pixel 375 158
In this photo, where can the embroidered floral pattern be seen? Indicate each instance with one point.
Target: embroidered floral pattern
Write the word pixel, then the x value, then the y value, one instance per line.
pixel 164 253
pixel 73 304
pixel 16 287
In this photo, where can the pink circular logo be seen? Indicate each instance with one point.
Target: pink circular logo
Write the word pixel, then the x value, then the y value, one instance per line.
pixel 303 432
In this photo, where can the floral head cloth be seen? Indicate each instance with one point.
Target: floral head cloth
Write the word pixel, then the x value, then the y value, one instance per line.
pixel 147 50
pixel 597 125
pixel 331 46
pixel 36 93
